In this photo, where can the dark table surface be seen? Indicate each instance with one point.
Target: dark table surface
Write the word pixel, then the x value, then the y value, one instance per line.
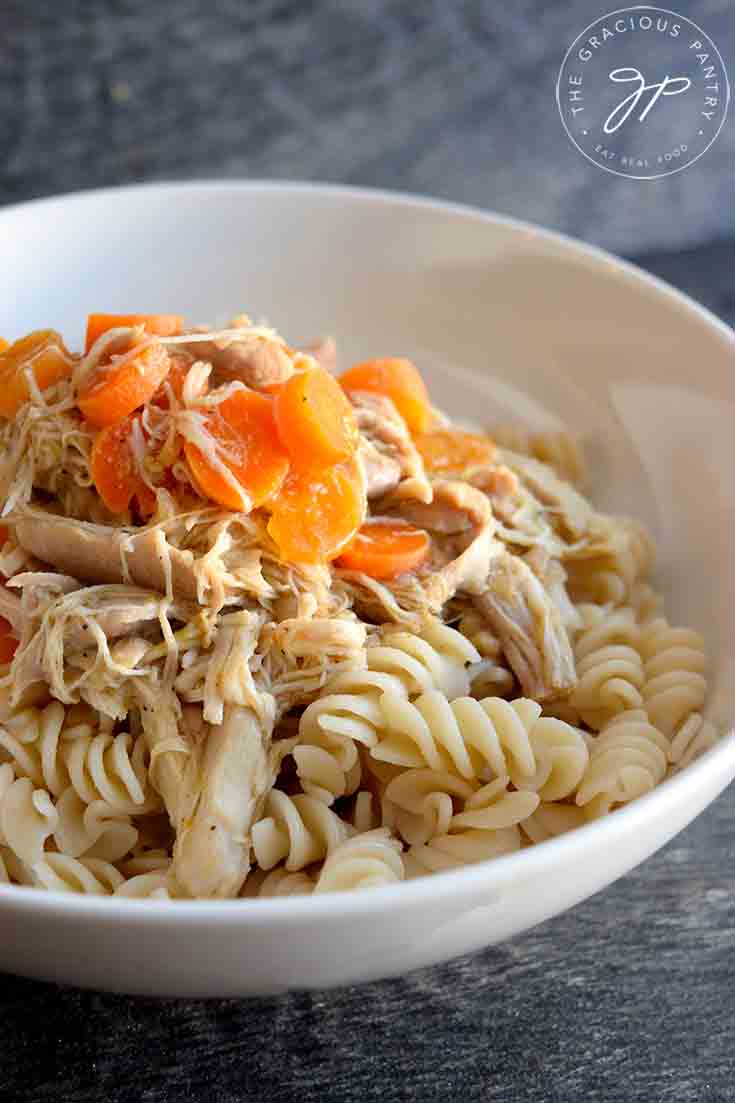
pixel 631 996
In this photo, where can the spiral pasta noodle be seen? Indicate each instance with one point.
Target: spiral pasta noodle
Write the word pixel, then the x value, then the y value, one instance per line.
pixel 479 739
pixel 674 664
pixel 486 827
pixel 55 750
pixel 28 817
pixel 445 852
pixel 62 873
pixel 551 819
pixel 423 802
pixel 297 830
pixel 628 758
pixel 348 712
pixel 278 882
pixel 609 666
pixel 361 862
pixel 695 736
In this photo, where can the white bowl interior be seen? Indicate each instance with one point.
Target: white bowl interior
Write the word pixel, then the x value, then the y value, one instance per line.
pixel 507 322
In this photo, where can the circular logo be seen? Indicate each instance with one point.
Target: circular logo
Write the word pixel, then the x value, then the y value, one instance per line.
pixel 643 92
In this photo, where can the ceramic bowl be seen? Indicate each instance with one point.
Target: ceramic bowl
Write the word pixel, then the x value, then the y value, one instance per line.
pixel 507 321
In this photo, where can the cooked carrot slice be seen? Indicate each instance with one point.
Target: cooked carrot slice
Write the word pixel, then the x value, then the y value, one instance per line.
pixel 453 450
pixel 243 432
pixel 114 470
pixel 42 353
pixel 315 419
pixel 117 388
pixel 8 645
pixel 316 513
pixel 161 325
pixel 4 344
pixel 385 549
pixel 399 380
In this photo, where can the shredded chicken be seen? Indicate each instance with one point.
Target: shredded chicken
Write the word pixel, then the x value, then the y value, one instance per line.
pixel 573 513
pixel 529 626
pixel 258 359
pixel 392 463
pixel 233 773
pixel 462 515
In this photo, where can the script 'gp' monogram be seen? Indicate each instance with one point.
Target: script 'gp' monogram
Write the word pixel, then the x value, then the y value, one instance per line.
pixel 669 86
pixel 642 92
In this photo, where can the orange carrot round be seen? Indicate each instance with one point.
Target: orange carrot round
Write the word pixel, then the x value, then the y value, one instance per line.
pixel 315 419
pixel 453 450
pixel 117 388
pixel 4 344
pixel 41 352
pixel 161 325
pixel 8 644
pixel 399 380
pixel 244 434
pixel 386 548
pixel 317 513
pixel 114 470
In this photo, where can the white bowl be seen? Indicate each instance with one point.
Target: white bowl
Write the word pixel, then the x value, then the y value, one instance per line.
pixel 506 320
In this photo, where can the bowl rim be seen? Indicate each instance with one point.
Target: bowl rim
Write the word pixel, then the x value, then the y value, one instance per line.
pixel 719 760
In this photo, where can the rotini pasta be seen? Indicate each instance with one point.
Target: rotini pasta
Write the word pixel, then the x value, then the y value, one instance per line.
pixel 362 862
pixel 695 736
pixel 551 819
pixel 296 830
pixel 609 666
pixel 278 882
pixel 445 852
pixel 424 802
pixel 28 817
pixel 56 751
pixel 480 739
pixel 674 664
pixel 63 873
pixel 348 712
pixel 628 758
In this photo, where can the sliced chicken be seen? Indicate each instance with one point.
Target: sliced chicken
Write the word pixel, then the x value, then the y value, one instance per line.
pixel 462 514
pixel 213 781
pixel 382 472
pixel 256 360
pixel 98 553
pixel 65 630
pixel 391 461
pixel 529 626
pixel 572 513
pixel 501 486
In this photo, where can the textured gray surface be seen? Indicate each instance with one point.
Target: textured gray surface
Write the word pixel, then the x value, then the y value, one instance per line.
pixel 448 98
pixel 629 996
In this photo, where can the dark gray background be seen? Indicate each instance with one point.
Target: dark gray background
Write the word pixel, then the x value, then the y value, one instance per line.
pixel 630 996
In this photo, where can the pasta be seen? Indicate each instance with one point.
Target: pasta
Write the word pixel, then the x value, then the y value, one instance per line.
pixel 674 684
pixel 363 861
pixel 479 738
pixel 609 666
pixel 264 632
pixel 628 758
pixel 298 830
pixel 348 711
